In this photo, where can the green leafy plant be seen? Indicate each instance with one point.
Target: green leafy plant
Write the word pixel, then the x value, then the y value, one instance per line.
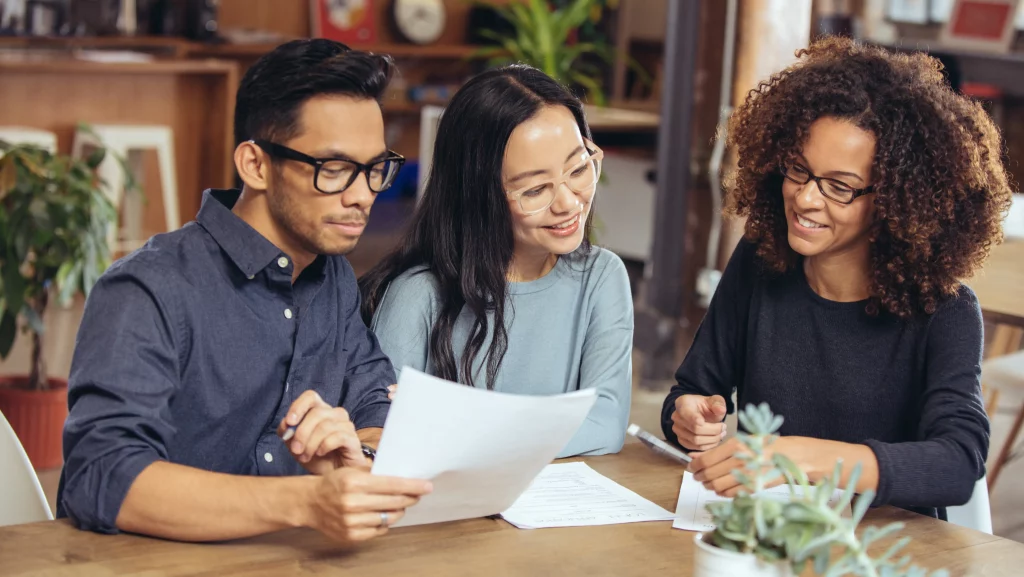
pixel 541 38
pixel 54 218
pixel 805 529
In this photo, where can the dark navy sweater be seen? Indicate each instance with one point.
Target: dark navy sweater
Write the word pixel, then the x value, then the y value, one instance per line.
pixel 910 390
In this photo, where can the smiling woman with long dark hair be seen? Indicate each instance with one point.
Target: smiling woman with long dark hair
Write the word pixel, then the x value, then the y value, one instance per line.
pixel 495 284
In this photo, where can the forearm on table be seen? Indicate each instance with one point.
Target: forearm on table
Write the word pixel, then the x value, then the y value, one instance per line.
pixel 851 455
pixel 186 504
pixel 602 432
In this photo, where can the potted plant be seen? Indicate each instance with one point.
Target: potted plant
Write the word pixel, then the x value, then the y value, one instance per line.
pixel 757 536
pixel 54 218
pixel 543 38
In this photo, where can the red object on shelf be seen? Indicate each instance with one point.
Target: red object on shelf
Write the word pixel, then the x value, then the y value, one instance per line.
pixel 346 21
pixel 978 19
pixel 982 91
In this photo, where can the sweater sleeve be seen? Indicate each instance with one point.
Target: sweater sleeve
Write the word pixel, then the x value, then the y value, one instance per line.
pixel 714 364
pixel 606 364
pixel 403 321
pixel 942 467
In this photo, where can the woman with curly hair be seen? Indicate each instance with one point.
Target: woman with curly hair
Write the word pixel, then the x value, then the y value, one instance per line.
pixel 871 190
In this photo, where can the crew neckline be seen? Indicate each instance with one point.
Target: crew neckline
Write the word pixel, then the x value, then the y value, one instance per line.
pixel 822 301
pixel 542 283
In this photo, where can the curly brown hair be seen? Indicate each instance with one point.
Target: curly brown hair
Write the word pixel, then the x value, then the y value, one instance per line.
pixel 941 190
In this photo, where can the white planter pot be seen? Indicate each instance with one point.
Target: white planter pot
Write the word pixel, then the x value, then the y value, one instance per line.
pixel 710 561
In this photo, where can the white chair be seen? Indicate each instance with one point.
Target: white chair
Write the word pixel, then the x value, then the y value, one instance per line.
pixel 1004 374
pixel 25 135
pixel 977 513
pixel 21 497
pixel 121 140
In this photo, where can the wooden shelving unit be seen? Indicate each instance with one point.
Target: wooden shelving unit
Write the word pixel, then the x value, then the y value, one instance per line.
pixel 438 51
pixel 166 45
pixel 183 48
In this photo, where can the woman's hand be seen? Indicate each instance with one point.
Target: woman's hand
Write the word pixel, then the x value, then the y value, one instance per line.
pixel 697 421
pixel 714 467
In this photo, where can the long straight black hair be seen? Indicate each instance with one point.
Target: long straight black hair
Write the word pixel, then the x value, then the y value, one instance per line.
pixel 462 229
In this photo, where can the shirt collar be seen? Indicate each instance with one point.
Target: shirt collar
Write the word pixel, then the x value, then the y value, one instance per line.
pixel 248 249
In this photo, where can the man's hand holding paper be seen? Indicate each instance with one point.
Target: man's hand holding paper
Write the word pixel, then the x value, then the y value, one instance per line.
pixel 484 450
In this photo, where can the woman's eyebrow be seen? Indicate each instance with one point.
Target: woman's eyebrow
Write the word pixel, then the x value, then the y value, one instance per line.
pixel 832 172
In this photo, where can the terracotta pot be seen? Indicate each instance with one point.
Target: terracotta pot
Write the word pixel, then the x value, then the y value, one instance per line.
pixel 710 561
pixel 37 417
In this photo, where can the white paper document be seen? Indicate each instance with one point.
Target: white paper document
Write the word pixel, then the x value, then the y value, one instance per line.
pixel 480 449
pixel 691 511
pixel 574 495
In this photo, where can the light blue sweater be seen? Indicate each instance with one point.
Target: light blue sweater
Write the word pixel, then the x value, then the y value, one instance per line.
pixel 571 329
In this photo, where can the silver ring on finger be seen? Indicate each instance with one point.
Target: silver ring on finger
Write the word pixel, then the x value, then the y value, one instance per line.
pixel 383 521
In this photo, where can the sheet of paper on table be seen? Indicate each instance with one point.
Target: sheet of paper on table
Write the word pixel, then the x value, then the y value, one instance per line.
pixel 692 515
pixel 574 495
pixel 480 449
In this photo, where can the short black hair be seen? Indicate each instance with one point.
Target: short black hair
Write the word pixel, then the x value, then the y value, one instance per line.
pixel 274 89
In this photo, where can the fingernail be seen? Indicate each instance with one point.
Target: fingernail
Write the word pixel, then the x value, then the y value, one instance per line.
pixel 296 447
pixel 429 487
pixel 293 419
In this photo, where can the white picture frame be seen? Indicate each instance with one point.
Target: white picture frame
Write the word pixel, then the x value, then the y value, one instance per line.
pixel 907 11
pixel 940 10
pixel 953 36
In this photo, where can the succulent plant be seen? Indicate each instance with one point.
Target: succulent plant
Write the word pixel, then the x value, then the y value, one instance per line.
pixel 805 529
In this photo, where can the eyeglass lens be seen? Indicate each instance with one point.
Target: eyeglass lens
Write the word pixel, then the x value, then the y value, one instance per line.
pixel 830 188
pixel 580 179
pixel 337 175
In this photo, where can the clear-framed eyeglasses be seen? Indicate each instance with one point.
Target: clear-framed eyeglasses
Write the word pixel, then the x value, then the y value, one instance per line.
pixel 581 179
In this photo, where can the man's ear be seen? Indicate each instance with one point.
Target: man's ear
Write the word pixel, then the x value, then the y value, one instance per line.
pixel 253 165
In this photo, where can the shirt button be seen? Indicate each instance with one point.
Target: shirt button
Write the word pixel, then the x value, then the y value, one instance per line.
pixel 282 262
pixel 287 313
pixel 250 277
pixel 268 457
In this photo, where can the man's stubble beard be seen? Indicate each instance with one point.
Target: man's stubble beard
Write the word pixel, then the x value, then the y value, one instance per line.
pixel 286 213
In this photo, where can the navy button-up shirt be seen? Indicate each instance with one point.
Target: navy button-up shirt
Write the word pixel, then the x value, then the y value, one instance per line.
pixel 192 349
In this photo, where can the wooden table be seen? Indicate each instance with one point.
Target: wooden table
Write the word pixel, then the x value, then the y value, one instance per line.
pixel 473 547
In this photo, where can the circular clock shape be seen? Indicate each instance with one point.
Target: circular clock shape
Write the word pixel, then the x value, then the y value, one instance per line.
pixel 419 21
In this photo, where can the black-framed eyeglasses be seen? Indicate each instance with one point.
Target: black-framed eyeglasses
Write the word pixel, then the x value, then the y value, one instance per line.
pixel 335 175
pixel 835 190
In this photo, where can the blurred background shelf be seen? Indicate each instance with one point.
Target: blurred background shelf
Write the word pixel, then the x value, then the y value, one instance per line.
pixel 437 51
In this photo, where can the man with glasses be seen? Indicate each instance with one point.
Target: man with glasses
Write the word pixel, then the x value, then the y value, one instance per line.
pixel 222 361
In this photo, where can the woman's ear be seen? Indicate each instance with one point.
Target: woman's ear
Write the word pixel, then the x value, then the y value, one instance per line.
pixel 253 165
